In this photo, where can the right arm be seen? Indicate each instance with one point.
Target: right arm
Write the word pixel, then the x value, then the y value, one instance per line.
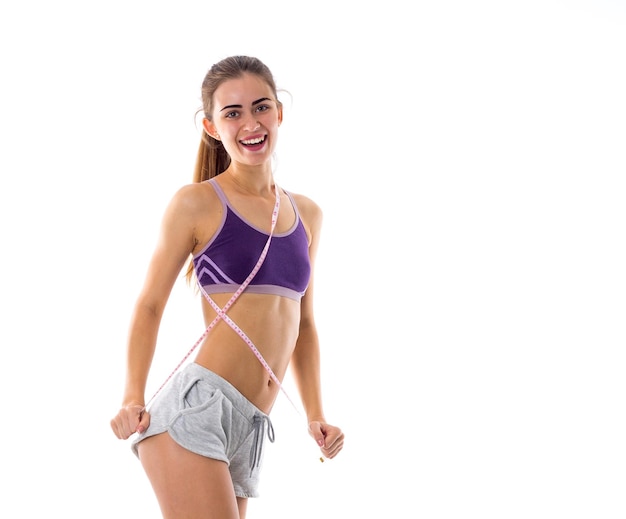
pixel 175 243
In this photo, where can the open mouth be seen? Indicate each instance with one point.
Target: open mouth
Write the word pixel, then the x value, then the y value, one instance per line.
pixel 257 142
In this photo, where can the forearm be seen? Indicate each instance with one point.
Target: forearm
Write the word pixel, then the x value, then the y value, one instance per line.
pixel 305 366
pixel 140 352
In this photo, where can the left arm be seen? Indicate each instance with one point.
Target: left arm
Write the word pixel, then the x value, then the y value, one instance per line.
pixel 305 360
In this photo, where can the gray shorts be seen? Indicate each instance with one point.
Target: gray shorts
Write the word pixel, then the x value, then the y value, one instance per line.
pixel 207 415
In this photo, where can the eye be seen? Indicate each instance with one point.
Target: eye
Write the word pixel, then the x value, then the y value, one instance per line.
pixel 232 114
pixel 262 108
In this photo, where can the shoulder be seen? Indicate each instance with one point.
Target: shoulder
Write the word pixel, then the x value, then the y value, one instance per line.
pixel 195 193
pixel 193 210
pixel 311 216
pixel 194 197
pixel 309 210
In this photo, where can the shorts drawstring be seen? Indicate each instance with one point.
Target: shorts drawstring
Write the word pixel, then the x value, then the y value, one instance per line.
pixel 258 424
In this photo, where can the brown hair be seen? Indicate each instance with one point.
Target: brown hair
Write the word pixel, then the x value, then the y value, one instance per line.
pixel 212 158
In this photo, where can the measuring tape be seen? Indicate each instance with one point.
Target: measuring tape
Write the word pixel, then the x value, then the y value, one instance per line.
pixel 221 314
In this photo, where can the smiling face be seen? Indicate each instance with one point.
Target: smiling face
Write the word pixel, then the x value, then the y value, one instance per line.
pixel 246 117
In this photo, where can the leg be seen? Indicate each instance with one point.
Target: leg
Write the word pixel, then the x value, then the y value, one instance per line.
pixel 186 484
pixel 242 503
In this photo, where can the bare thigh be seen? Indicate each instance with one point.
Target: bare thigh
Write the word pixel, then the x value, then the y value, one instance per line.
pixel 188 485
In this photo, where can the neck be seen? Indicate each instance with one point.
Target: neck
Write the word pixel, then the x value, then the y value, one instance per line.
pixel 255 181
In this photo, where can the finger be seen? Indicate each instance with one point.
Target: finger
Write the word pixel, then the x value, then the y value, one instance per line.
pixel 316 432
pixel 133 418
pixel 333 447
pixel 332 452
pixel 117 425
pixel 115 428
pixel 144 422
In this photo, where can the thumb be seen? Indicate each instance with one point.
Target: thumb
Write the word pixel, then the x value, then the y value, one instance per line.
pixel 144 422
pixel 315 429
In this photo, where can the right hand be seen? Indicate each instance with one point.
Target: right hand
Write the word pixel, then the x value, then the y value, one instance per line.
pixel 129 420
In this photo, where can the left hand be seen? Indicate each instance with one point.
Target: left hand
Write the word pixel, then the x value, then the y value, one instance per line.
pixel 329 438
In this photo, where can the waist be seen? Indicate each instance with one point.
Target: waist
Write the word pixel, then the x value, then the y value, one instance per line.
pixel 271 324
pixel 247 376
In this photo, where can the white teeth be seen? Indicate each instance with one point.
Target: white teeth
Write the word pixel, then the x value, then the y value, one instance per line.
pixel 254 141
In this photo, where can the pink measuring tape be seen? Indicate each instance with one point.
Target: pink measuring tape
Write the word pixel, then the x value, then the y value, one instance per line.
pixel 221 314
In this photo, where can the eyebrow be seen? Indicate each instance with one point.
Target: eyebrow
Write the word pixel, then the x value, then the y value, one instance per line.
pixel 254 103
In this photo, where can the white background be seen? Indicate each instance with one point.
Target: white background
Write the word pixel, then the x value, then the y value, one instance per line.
pixel 469 158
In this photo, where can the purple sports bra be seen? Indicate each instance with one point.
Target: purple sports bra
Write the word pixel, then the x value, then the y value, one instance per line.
pixel 232 253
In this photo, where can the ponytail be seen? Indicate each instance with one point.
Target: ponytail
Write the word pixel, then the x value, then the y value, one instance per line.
pixel 211 160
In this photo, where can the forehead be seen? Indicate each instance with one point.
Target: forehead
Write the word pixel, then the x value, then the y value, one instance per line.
pixel 242 90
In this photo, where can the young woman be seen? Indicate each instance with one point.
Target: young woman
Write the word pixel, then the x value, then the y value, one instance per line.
pixel 251 246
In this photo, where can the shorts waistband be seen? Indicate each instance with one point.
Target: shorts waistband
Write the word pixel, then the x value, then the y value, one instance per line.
pixel 231 392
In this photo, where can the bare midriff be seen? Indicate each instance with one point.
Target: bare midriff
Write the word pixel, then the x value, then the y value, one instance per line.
pixel 272 323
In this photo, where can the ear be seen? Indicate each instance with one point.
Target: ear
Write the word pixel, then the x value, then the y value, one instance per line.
pixel 280 114
pixel 209 127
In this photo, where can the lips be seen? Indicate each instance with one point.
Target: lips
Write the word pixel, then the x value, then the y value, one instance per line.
pixel 256 140
pixel 254 143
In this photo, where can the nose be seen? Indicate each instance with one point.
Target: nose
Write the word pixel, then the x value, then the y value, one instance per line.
pixel 251 124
